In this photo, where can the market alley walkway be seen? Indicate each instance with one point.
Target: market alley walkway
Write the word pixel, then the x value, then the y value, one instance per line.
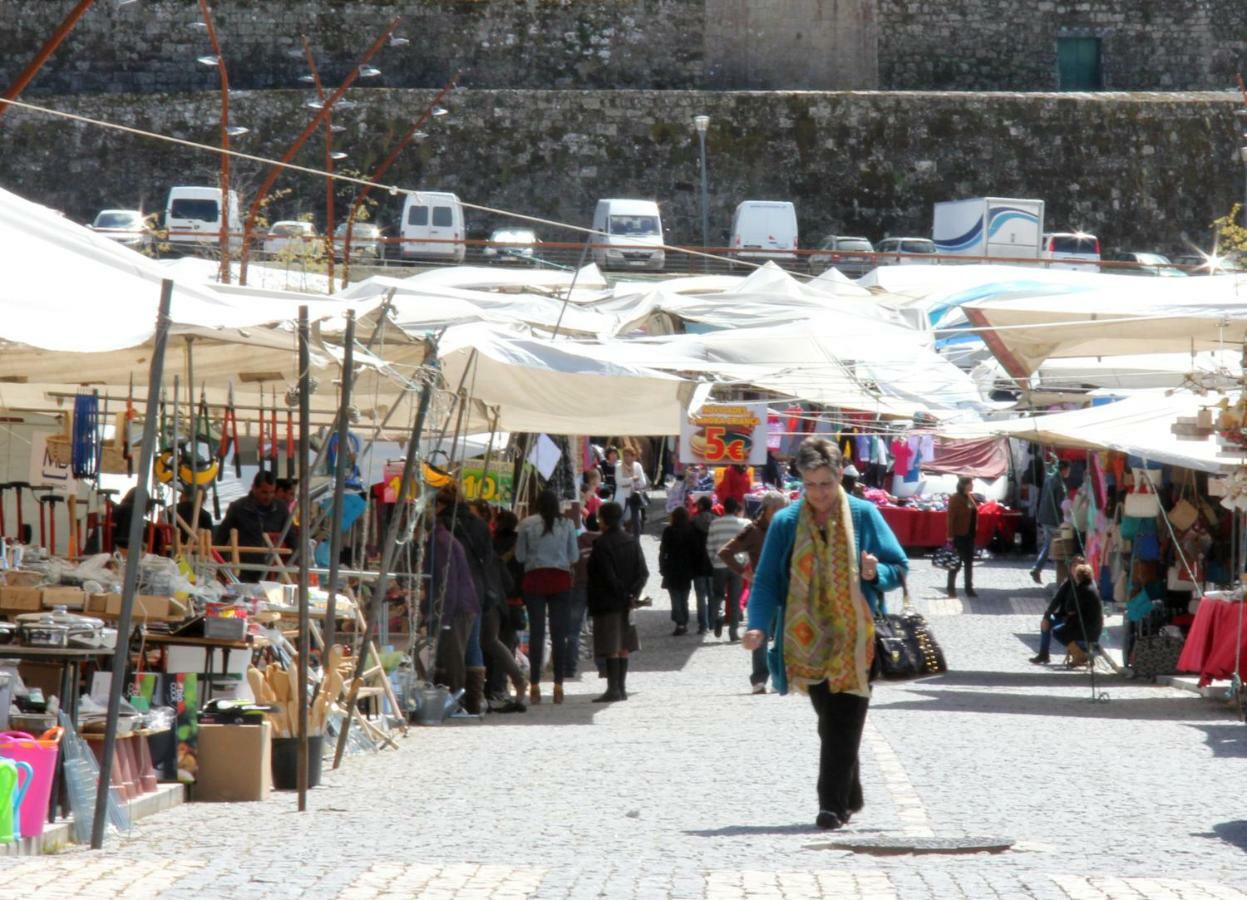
pixel 696 788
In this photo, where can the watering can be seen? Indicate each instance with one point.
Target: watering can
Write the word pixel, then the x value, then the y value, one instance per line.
pixel 11 796
pixel 434 704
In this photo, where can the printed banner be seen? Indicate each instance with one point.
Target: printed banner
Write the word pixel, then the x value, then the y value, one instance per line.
pixel 492 488
pixel 724 434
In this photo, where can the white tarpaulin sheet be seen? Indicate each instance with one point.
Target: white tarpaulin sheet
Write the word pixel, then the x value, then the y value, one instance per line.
pixel 1139 425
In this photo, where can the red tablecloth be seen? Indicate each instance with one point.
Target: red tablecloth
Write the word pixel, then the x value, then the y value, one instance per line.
pixel 929 528
pixel 1210 645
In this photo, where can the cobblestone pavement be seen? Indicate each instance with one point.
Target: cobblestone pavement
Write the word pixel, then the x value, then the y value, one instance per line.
pixel 696 788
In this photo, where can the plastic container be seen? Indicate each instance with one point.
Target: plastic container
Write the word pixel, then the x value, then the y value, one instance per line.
pixel 41 753
pixel 286 762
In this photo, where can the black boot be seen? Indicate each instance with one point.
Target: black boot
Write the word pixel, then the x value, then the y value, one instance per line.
pixel 622 683
pixel 612 682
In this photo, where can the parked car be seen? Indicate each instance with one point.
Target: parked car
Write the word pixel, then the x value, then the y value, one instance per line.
pixel 292 238
pixel 1198 264
pixel 127 227
pixel 1131 263
pixel 1071 250
pixel 904 251
pixel 518 244
pixel 765 229
pixel 366 241
pixel 843 253
pixel 193 217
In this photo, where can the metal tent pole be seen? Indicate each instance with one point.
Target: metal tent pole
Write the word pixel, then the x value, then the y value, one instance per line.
pixel 133 554
pixel 339 481
pixel 305 504
pixel 387 560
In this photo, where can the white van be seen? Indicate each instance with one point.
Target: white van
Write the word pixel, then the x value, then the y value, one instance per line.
pixel 432 227
pixel 765 229
pixel 629 229
pixel 1071 250
pixel 193 217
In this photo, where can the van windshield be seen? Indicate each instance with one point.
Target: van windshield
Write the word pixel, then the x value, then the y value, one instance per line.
pixel 1072 244
pixel 636 225
pixel 185 208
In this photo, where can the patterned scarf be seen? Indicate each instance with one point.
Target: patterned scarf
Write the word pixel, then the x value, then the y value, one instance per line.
pixel 829 634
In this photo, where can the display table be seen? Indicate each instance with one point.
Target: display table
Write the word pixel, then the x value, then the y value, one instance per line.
pixel 1213 639
pixel 926 528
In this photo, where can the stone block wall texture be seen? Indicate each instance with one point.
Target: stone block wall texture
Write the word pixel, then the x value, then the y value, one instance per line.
pixel 1144 171
pixel 1009 45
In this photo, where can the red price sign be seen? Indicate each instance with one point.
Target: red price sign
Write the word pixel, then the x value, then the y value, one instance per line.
pixel 723 446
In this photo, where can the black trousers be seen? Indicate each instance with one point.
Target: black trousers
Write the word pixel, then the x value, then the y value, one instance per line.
pixel 841 718
pixel 965 550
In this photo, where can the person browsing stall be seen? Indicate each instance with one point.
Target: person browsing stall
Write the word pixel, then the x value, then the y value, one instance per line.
pixel 827 561
pixel 963 517
pixel 630 485
pixel 749 544
pixel 256 517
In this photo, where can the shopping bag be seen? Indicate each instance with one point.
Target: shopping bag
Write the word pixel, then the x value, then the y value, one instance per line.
pixel 1156 654
pixel 946 558
pixel 1181 578
pixel 1147 548
pixel 904 645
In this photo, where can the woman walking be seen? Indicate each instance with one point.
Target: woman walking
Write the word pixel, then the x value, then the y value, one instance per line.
pixel 826 562
pixel 749 545
pixel 963 517
pixel 679 560
pixel 546 545
pixel 617 575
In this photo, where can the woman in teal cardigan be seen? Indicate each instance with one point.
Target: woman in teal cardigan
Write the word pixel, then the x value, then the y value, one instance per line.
pixel 826 564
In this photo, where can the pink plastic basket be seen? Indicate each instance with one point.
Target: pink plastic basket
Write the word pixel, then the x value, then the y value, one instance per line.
pixel 41 753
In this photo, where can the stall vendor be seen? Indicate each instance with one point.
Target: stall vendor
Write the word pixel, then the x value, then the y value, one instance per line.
pixel 255 516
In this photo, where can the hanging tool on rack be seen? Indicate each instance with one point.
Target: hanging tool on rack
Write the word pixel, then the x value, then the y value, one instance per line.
pixel 106 534
pixel 229 436
pixel 259 443
pixel 124 437
pixel 4 489
pixel 203 431
pixel 23 533
pixel 272 433
pixel 289 444
pixel 48 502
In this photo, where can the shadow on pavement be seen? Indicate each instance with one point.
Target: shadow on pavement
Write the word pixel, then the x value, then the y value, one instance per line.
pixel 1233 833
pixel 1041 676
pixel 660 651
pixel 1079 707
pixel 746 830
pixel 1226 740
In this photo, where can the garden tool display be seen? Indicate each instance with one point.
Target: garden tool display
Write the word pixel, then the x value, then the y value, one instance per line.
pixel 259 443
pixel 106 535
pixel 48 502
pixel 289 444
pixel 229 437
pixel 125 431
pixel 23 535
pixel 203 429
pixel 272 433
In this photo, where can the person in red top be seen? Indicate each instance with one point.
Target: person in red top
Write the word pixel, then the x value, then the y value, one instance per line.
pixel 736 483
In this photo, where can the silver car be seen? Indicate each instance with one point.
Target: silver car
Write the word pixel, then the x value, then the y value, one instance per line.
pixel 366 240
pixel 511 243
pixel 853 256
pixel 127 227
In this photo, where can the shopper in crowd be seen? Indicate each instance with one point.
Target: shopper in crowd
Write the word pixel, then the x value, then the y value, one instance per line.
pixel 772 473
pixel 1074 618
pixel 450 604
pixel 591 499
pixel 630 487
pixel 546 545
pixel 617 575
pixel 679 560
pixel 735 484
pixel 284 492
pixel 579 603
pixel 680 491
pixel 187 514
pixel 826 563
pixel 703 581
pixel 259 520
pixel 1049 515
pixel 608 466
pixel 728 585
pixel 741 555
pixel 963 518
pixel 484 511
pixel 513 618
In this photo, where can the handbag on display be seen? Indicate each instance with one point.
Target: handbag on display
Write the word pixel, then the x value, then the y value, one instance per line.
pixel 905 648
pixel 1156 654
pixel 1147 548
pixel 1139 607
pixel 1184 513
pixel 1182 577
pixel 1142 502
pixel 946 558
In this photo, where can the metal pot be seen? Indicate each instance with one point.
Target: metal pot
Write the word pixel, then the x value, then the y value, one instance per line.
pixel 59 628
pixel 8 633
pixel 43 632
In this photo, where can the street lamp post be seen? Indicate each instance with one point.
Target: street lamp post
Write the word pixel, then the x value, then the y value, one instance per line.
pixel 1242 154
pixel 223 178
pixel 702 123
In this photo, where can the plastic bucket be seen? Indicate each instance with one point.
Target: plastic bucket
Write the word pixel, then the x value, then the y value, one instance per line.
pixel 286 762
pixel 41 754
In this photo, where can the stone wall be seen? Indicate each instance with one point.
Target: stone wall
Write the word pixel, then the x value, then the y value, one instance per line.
pixel 791 44
pixel 993 45
pixel 1144 171
pixel 152 46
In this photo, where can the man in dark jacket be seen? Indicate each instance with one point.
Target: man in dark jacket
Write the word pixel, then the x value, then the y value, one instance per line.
pixel 617 576
pixel 1049 515
pixel 255 516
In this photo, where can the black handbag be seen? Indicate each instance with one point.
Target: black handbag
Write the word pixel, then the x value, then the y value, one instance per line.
pixel 905 648
pixel 946 558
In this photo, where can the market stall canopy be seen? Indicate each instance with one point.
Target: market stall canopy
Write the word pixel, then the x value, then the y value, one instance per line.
pixel 1129 316
pixel 1139 425
pixel 558 387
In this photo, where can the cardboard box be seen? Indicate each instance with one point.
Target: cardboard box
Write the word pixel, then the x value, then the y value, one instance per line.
pixel 69 597
pixel 20 578
pixel 235 763
pixel 21 599
pixel 146 606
